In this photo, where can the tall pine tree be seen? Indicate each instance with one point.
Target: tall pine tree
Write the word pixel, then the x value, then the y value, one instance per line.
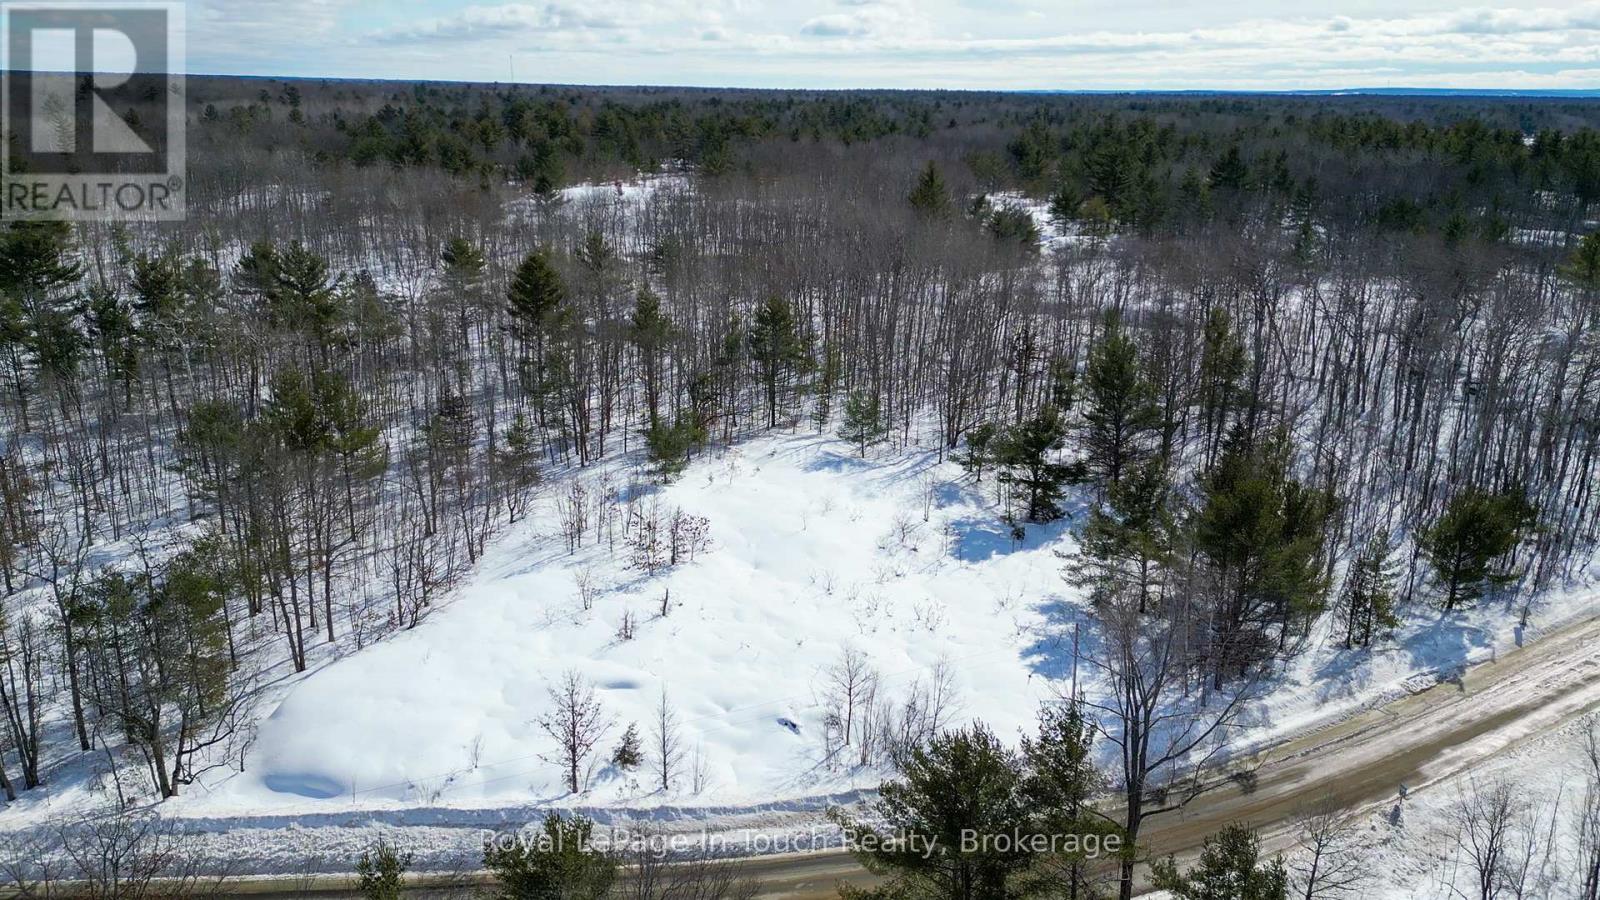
pixel 1122 417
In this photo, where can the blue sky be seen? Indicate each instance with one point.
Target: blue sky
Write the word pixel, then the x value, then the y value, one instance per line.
pixel 1007 44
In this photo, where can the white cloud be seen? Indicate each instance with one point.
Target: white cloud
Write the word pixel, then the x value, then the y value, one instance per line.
pixel 486 22
pixel 868 18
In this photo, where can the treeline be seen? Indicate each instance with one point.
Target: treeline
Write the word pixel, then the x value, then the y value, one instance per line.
pixel 1151 163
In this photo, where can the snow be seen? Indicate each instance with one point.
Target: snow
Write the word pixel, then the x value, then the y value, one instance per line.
pixel 813 552
pixel 1053 233
pixel 611 196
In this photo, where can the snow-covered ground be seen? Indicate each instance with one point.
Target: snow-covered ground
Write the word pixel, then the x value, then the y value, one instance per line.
pixel 811 552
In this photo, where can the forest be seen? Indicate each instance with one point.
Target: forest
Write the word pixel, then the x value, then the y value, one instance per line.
pixel 1277 359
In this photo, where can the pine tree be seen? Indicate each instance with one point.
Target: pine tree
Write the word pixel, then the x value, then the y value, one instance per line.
pixel 1127 543
pixel 669 446
pixel 1368 598
pixel 1065 202
pixel 980 448
pixel 36 274
pixel 957 784
pixel 1476 529
pixel 562 863
pixel 1122 414
pixel 537 291
pixel 1061 785
pixel 1583 266
pixel 304 297
pixel 930 198
pixel 629 754
pixel 1263 535
pixel 464 267
pixel 1011 223
pixel 1229 172
pixel 776 347
pixel 462 260
pixel 1230 868
pixel 517 462
pixel 1222 364
pixel 1026 457
pixel 863 421
pixel 650 330
pixel 381 872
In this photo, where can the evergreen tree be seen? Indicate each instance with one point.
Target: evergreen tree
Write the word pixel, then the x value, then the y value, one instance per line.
pixel 1477 529
pixel 1011 223
pixel 381 872
pixel 980 449
pixel 158 292
pixel 1230 868
pixel 36 274
pixel 1026 457
pixel 1222 364
pixel 1122 414
pixel 629 754
pixel 1263 536
pixel 828 375
pixel 464 269
pixel 304 297
pixel 1034 151
pixel 650 330
pixel 670 446
pixel 1127 543
pixel 1229 172
pixel 1583 266
pixel 161 638
pixel 1060 786
pixel 559 864
pixel 1065 203
pixel 57 347
pixel 537 291
pixel 956 785
pixel 36 260
pixel 776 347
pixel 863 421
pixel 1368 598
pixel 930 197
pixel 462 260
pixel 516 460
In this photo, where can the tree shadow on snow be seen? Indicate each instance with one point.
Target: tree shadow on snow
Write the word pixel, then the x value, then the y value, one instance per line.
pixel 983 537
pixel 1050 655
pixel 1437 652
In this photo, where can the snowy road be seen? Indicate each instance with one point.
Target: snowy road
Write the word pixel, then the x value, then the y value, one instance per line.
pixel 1418 741
pixel 1360 763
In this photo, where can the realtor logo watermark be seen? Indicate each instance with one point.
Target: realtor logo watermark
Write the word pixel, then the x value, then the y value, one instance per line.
pixel 93 102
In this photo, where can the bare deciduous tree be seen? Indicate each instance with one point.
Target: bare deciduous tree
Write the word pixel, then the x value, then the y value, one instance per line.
pixel 577 724
pixel 666 744
pixel 1486 819
pixel 1329 865
pixel 849 687
pixel 1165 731
pixel 1588 816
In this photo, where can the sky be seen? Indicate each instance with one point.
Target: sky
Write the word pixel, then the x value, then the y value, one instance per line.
pixel 958 44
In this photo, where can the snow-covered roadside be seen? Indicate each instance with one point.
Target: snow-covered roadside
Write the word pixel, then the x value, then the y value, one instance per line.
pixel 1414 842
